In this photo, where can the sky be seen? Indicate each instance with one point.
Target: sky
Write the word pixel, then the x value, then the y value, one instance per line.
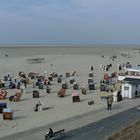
pixel 70 22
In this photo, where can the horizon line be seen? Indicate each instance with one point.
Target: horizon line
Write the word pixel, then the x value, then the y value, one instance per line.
pixel 66 45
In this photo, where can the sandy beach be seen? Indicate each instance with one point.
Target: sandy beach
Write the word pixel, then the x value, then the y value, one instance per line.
pixel 63 60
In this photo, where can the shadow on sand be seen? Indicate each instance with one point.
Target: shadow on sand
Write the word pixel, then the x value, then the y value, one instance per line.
pixel 24 99
pixel 19 117
pixel 83 100
pixel 47 108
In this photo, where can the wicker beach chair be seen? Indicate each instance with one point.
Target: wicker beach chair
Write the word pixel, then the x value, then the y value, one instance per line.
pixel 3 94
pixel 17 96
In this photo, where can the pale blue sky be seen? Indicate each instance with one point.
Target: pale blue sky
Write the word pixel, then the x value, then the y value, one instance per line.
pixel 69 21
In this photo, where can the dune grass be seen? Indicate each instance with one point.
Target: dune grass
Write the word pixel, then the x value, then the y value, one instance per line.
pixel 132 132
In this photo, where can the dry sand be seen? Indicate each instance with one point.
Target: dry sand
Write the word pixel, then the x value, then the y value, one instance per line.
pixel 62 60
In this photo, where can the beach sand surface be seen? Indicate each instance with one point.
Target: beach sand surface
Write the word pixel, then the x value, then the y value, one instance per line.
pixel 63 60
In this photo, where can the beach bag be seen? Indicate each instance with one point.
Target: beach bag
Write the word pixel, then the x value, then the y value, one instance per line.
pixel 91 102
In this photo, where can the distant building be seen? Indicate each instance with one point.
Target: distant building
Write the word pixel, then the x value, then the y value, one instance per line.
pixel 130 88
pixel 132 72
pixel 130 82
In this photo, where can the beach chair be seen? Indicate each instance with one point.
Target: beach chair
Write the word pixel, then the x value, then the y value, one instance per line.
pixel 72 80
pixel 40 86
pixel 3 94
pixel 7 114
pixel 35 93
pixel 2 84
pixel 90 74
pixel 74 73
pixel 2 106
pixel 54 74
pixel 62 93
pixel 59 80
pixel 117 97
pixel 64 85
pixel 83 90
pixel 75 97
pixel 50 78
pixel 17 96
pixel 91 86
pixel 67 74
pixel 90 80
pixel 75 86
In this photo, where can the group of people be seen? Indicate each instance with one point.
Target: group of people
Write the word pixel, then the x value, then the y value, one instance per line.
pixel 124 66
pixel 105 68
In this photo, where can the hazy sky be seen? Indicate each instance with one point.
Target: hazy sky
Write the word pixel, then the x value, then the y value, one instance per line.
pixel 69 21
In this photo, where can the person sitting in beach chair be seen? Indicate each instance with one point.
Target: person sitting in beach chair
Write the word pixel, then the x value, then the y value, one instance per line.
pixel 39 106
pixel 62 93
pixel 17 96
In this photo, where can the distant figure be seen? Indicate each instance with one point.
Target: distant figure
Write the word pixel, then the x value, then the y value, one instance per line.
pixel 91 68
pixel 18 85
pixel 6 55
pixel 38 104
pixel 47 89
pixel 51 65
pixel 34 84
pixel 109 102
pixel 45 74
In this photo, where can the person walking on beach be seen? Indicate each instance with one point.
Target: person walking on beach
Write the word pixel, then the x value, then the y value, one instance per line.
pixel 109 102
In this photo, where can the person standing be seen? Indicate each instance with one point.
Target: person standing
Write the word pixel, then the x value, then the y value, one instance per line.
pixel 109 102
pixel 47 89
pixel 46 74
